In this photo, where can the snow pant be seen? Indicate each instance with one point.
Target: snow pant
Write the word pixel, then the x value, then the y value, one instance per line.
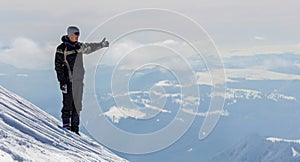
pixel 72 105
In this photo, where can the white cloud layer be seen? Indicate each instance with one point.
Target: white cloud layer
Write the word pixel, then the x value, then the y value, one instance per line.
pixel 259 38
pixel 25 53
pixel 233 75
pixel 204 114
pixel 259 74
pixel 263 49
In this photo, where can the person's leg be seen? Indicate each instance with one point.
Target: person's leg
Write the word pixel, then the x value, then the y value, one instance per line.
pixel 75 121
pixel 66 109
pixel 77 106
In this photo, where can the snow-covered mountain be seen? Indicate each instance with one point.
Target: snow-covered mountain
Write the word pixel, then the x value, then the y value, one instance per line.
pixel 255 148
pixel 232 96
pixel 27 133
pixel 235 94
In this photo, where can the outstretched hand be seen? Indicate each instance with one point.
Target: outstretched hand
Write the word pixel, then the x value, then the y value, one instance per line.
pixel 104 43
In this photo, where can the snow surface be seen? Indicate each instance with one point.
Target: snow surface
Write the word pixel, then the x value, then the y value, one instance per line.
pixel 234 94
pixel 27 133
pixel 295 153
pixel 116 113
pixel 274 140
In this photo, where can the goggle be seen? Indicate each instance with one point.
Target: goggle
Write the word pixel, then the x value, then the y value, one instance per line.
pixel 77 33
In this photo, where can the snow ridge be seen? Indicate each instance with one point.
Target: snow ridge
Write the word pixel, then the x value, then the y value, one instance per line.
pixel 274 140
pixel 234 95
pixel 27 133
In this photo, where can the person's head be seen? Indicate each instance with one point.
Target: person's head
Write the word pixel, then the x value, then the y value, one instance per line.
pixel 73 33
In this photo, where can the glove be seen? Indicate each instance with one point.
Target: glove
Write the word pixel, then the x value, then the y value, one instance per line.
pixel 104 43
pixel 64 88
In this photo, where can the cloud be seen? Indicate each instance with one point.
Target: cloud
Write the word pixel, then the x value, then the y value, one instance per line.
pixel 167 83
pixel 157 108
pixel 259 38
pixel 204 78
pixel 129 54
pixel 25 53
pixel 266 49
pixel 114 54
pixel 169 42
pixel 22 75
pixel 259 74
pixel 204 114
pixel 233 75
pixel 277 96
pixel 36 18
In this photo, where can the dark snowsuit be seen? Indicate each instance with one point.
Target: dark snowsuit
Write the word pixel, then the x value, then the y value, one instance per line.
pixel 69 69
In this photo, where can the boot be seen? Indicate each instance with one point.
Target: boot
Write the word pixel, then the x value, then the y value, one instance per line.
pixel 66 123
pixel 75 129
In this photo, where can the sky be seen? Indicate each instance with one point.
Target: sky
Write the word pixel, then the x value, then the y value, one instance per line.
pixel 32 29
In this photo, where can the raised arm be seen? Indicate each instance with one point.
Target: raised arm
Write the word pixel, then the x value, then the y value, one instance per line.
pixel 88 48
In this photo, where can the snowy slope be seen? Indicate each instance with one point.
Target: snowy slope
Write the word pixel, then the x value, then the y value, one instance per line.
pixel 256 148
pixel 29 134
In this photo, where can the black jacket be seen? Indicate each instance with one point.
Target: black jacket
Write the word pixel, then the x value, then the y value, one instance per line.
pixel 74 51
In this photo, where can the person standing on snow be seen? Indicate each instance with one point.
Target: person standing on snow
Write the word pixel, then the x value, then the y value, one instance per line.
pixel 70 73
